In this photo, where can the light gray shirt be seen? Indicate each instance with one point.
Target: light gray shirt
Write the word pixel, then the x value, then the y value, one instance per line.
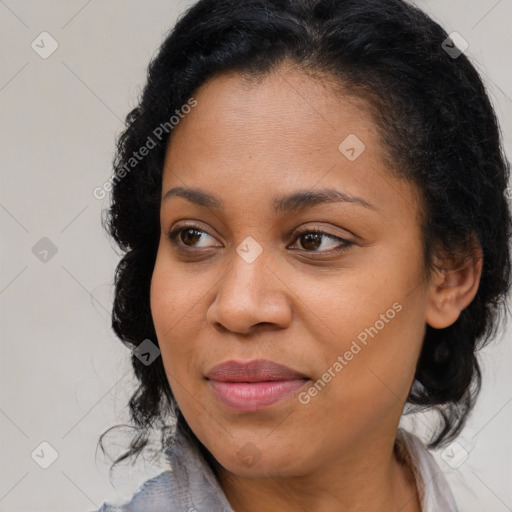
pixel 191 486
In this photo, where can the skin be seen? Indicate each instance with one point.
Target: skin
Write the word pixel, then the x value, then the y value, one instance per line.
pixel 299 303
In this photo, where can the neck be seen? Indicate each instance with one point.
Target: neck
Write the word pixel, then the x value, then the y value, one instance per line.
pixel 370 477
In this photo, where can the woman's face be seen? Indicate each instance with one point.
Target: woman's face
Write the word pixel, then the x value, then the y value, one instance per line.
pixel 344 309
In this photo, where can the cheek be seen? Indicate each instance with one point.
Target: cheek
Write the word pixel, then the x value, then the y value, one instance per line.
pixel 166 290
pixel 176 299
pixel 174 326
pixel 373 363
pixel 369 360
pixel 174 309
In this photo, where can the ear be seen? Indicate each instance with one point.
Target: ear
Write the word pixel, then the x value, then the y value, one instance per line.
pixel 453 287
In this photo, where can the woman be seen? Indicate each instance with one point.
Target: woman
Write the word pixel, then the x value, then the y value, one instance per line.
pixel 311 200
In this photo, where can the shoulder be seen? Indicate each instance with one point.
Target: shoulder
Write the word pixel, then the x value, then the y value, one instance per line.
pixel 154 495
pixel 188 485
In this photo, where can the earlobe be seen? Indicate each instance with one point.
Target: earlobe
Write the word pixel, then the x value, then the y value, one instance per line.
pixel 452 289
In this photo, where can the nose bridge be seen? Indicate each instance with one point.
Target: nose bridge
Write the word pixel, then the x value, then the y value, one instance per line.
pixel 249 293
pixel 245 287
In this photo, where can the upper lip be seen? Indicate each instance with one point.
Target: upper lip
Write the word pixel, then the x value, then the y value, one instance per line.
pixel 256 370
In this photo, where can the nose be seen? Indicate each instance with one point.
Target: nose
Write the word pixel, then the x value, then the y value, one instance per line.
pixel 251 296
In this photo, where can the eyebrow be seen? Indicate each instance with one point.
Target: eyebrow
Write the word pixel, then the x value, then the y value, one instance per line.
pixel 297 201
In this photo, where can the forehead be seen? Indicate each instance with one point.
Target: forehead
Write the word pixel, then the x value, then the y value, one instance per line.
pixel 284 131
pixel 284 107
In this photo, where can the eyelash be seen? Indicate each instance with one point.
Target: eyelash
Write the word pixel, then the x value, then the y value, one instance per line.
pixel 345 244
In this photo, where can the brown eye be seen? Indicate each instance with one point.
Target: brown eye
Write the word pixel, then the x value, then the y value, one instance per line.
pixel 313 239
pixel 188 237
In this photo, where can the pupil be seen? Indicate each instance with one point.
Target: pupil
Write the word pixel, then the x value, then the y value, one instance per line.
pixel 186 234
pixel 310 238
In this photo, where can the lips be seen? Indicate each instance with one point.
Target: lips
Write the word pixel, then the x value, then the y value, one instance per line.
pixel 253 385
pixel 257 370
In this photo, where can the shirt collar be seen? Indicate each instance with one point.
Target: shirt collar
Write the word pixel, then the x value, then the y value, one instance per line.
pixel 197 486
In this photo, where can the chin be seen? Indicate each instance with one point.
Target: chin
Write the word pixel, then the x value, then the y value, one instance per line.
pixel 255 459
pixel 261 467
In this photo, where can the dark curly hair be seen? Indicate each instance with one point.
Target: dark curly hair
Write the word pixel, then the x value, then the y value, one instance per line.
pixel 439 131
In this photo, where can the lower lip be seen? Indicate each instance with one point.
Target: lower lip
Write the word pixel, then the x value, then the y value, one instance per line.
pixel 253 396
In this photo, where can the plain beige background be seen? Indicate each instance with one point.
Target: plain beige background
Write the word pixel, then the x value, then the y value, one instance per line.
pixel 64 376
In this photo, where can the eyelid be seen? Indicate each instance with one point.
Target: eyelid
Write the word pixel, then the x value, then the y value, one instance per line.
pixel 316 229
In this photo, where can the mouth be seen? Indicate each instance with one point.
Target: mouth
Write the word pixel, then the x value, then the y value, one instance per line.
pixel 253 385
